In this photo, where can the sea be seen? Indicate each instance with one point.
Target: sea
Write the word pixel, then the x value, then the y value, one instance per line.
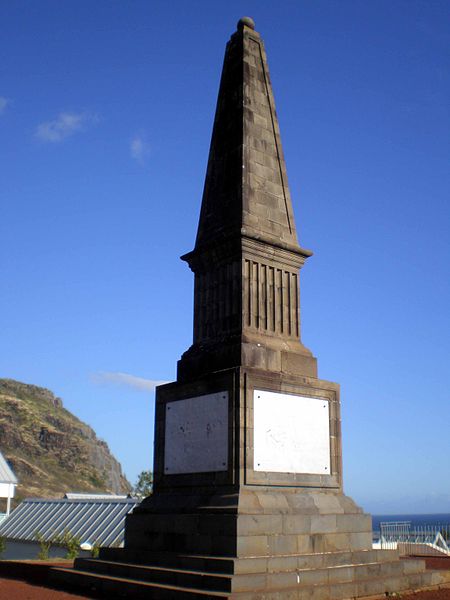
pixel 442 519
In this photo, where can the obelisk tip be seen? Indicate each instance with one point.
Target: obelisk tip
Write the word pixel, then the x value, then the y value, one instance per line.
pixel 245 22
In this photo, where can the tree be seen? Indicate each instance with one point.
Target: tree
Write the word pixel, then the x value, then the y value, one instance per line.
pixel 144 484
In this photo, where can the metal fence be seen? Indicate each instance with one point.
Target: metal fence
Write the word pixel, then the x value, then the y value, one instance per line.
pixel 422 540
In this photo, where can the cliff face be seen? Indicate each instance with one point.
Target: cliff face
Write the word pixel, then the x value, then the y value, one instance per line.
pixel 49 449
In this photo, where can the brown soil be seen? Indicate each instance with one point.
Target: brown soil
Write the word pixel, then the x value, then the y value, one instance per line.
pixel 12 589
pixel 437 562
pixel 442 594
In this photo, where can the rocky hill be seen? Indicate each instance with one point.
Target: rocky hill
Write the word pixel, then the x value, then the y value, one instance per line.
pixel 49 449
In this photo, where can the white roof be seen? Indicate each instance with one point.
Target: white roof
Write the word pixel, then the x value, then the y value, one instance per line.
pixel 6 474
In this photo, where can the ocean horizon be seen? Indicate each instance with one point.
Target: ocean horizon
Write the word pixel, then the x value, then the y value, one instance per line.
pixel 417 520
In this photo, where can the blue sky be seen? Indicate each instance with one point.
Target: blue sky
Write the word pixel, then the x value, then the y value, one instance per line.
pixel 106 111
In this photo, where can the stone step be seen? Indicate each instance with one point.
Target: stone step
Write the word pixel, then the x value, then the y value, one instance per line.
pixel 343 574
pixel 342 591
pixel 156 574
pixel 195 562
pixel 248 581
pixel 293 562
pixel 207 580
pixel 259 564
pixel 107 586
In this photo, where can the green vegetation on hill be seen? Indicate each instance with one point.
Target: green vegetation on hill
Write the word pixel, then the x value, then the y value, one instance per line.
pixel 49 449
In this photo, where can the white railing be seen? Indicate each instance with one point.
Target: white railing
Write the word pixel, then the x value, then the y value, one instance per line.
pixel 430 540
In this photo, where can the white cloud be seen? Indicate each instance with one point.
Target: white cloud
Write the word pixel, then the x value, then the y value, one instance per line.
pixel 139 148
pixel 65 125
pixel 3 104
pixel 117 378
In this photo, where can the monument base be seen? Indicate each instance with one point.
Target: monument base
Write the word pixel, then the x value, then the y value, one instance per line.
pixel 249 544
pixel 224 523
pixel 247 522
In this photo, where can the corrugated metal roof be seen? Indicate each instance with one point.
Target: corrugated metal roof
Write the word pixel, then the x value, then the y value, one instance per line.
pixel 95 521
pixel 6 474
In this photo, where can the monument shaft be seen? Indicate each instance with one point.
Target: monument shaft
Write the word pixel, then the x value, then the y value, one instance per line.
pixel 246 257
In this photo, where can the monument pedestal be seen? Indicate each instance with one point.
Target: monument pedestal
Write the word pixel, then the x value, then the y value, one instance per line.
pixel 254 543
pixel 238 530
pixel 249 522
pixel 226 480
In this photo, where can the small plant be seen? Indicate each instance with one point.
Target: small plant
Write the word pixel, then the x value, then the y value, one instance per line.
pixel 95 550
pixel 70 542
pixel 44 546
pixel 2 545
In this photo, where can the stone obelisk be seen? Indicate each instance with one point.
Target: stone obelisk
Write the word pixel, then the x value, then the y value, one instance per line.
pixel 247 440
pixel 248 499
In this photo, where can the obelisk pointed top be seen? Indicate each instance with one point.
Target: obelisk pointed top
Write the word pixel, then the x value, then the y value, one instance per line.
pixel 246 192
pixel 245 22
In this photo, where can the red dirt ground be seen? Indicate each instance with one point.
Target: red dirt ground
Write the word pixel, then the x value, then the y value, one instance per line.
pixel 442 594
pixel 12 589
pixel 436 562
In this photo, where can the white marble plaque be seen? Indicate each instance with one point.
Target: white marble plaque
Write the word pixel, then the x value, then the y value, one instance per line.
pixel 291 433
pixel 196 439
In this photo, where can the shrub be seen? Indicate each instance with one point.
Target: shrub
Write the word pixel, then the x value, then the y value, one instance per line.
pixel 95 550
pixel 70 542
pixel 44 546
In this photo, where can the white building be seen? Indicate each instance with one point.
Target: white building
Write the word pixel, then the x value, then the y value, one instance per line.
pixel 8 483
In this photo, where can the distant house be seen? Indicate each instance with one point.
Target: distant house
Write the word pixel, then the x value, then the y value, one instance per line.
pixel 8 483
pixel 96 519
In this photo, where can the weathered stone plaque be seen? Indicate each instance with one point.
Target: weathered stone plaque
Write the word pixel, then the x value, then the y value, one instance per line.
pixel 196 439
pixel 291 433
